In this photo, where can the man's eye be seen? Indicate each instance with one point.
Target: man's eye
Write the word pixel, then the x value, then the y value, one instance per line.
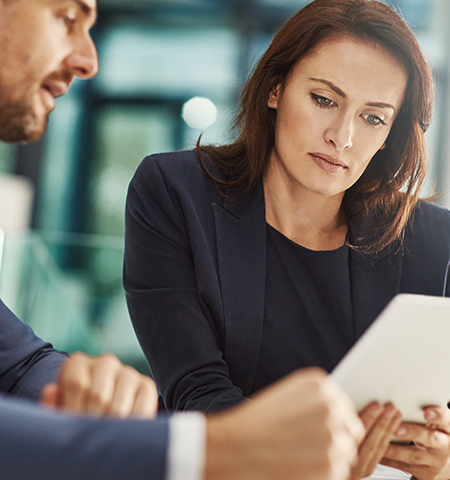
pixel 69 19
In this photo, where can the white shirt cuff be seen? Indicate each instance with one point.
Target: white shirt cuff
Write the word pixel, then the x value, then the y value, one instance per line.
pixel 187 446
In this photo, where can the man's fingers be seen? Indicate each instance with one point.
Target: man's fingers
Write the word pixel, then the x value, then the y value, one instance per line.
pixel 102 386
pixel 50 396
pixel 120 391
pixel 346 411
pixel 103 383
pixel 127 383
pixel 146 402
pixel 75 381
pixel 343 455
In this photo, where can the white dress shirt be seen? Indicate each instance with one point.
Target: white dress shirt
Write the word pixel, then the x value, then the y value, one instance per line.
pixel 187 446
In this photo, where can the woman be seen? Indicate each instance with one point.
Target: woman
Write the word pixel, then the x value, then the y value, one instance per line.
pixel 247 261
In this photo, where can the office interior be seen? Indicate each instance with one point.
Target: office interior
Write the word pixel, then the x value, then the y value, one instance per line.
pixel 170 70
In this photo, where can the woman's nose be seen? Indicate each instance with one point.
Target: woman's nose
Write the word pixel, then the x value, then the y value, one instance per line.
pixel 340 133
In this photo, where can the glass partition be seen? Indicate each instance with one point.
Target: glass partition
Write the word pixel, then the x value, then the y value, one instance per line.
pixel 68 288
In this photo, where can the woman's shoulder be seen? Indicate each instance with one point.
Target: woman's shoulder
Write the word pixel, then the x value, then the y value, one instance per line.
pixel 173 165
pixel 174 175
pixel 430 213
pixel 429 224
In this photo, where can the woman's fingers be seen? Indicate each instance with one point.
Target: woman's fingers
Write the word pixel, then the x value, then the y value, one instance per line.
pixel 381 423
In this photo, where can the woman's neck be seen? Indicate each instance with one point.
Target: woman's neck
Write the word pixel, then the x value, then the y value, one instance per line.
pixel 307 218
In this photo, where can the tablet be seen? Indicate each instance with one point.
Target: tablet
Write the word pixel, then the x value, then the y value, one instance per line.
pixel 403 357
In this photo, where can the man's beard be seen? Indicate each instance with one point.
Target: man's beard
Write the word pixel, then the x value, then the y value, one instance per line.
pixel 19 123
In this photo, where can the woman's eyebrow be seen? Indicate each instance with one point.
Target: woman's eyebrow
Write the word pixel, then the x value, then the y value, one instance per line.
pixel 331 85
pixel 381 105
pixel 343 95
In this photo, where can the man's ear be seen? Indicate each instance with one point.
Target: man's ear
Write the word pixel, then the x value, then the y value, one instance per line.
pixel 274 96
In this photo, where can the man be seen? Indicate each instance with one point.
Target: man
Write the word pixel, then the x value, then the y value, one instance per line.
pixel 304 427
pixel 40 52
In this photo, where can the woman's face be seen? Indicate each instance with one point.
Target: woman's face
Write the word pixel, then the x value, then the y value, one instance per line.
pixel 334 113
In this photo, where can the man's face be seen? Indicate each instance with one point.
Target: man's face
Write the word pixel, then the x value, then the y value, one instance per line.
pixel 43 45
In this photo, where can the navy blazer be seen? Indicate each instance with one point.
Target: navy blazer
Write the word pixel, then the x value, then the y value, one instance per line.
pixel 42 445
pixel 38 444
pixel 26 362
pixel 194 273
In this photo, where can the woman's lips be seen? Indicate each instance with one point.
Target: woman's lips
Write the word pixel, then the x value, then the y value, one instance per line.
pixel 328 164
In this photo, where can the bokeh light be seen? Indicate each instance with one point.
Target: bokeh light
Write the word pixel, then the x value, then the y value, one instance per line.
pixel 199 112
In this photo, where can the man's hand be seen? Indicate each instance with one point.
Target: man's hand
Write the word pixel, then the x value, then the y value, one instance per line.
pixel 429 457
pixel 301 427
pixel 101 386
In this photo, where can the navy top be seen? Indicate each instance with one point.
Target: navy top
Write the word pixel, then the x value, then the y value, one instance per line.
pixel 308 318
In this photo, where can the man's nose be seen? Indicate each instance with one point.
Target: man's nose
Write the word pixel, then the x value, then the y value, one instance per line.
pixel 83 60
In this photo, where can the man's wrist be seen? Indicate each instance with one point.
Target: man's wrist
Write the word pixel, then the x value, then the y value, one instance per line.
pixel 224 446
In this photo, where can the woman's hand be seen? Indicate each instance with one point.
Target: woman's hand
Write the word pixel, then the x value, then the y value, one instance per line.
pixel 429 457
pixel 381 422
pixel 101 386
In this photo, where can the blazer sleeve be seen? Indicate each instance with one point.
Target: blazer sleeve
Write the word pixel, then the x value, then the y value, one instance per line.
pixel 26 362
pixel 176 318
pixel 40 444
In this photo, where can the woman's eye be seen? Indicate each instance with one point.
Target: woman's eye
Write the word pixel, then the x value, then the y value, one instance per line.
pixel 321 101
pixel 373 120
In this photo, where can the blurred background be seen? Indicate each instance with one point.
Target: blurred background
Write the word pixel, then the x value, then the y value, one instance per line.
pixel 169 70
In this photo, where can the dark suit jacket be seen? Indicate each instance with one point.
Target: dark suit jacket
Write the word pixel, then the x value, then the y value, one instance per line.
pixel 26 362
pixel 37 444
pixel 41 445
pixel 194 274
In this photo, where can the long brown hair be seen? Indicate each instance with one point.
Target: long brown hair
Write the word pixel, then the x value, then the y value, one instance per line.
pixel 391 183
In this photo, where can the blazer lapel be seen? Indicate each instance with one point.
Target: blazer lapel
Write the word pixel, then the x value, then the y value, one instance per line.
pixel 241 246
